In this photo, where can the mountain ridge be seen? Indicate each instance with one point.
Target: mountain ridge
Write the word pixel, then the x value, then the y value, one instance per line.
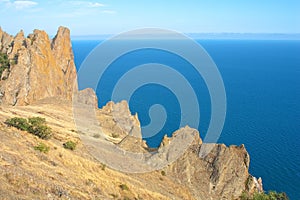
pixel 41 83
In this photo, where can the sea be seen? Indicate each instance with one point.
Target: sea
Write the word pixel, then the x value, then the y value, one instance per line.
pixel 262 84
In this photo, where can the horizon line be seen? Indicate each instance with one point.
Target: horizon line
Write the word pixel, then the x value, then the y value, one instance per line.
pixel 211 35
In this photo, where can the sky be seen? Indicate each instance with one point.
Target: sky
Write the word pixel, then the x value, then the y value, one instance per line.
pixel 96 17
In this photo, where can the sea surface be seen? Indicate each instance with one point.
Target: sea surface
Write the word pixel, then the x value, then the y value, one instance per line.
pixel 262 82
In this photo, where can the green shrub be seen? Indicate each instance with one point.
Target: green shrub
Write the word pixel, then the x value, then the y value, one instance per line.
pixel 263 196
pixel 19 123
pixel 38 128
pixel 244 196
pixel 36 121
pixel 42 148
pixel 42 131
pixel 163 173
pixel 34 125
pixel 70 145
pixel 279 196
pixel 4 63
pixel 124 187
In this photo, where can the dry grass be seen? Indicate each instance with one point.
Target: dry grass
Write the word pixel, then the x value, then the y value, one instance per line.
pixel 29 174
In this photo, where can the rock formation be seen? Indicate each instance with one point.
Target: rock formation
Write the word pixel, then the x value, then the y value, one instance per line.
pixel 43 71
pixel 5 41
pixel 221 174
pixel 39 67
pixel 117 118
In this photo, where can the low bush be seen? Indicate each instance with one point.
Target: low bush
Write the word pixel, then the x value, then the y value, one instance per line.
pixel 34 125
pixel 4 63
pixel 70 145
pixel 19 123
pixel 42 148
pixel 124 187
pixel 42 131
pixel 265 196
pixel 38 128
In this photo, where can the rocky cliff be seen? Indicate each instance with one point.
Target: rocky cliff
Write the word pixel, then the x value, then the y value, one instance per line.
pixel 39 82
pixel 39 67
pixel 223 173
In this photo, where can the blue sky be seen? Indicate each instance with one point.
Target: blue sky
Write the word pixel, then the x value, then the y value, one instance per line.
pixel 114 16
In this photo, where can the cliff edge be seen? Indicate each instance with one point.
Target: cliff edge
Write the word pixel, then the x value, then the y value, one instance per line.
pixel 38 81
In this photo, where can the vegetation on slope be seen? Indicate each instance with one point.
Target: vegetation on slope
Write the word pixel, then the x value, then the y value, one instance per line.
pixel 70 145
pixel 34 125
pixel 4 63
pixel 26 174
pixel 42 148
pixel 263 196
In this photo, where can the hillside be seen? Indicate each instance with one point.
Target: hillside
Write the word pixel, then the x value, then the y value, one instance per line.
pixel 39 82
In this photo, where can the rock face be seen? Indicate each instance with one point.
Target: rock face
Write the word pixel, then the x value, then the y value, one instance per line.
pixel 42 68
pixel 116 119
pixel 5 41
pixel 39 67
pixel 221 174
pixel 86 97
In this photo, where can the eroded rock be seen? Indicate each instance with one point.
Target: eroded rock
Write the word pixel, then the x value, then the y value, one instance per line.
pixel 41 68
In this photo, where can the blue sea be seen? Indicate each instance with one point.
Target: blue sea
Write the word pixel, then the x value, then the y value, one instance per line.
pixel 262 82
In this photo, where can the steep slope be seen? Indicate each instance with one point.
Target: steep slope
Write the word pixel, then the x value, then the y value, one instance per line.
pixel 39 82
pixel 28 174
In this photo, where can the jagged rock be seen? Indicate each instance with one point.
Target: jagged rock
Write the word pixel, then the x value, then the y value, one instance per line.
pixel 5 41
pixel 45 68
pixel 254 185
pixel 228 168
pixel 165 141
pixel 86 97
pixel 17 44
pixel 186 130
pixel 133 144
pixel 117 119
pixel 260 185
pixel 42 68
pixel 172 148
pixel 62 49
pixel 221 174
